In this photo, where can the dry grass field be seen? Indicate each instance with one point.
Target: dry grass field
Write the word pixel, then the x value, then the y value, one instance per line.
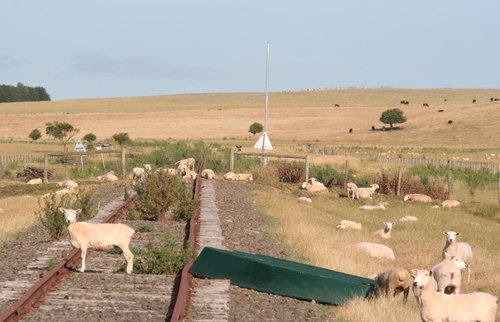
pixel 302 116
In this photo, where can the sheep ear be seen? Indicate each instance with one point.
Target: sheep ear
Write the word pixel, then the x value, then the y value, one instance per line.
pixel 62 210
pixel 78 211
pixel 414 272
pixel 444 233
pixel 457 233
pixel 430 273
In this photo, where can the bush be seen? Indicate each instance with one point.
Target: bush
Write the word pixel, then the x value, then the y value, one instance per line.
pixel 325 174
pixel 50 216
pixel 167 258
pixel 291 172
pixel 85 202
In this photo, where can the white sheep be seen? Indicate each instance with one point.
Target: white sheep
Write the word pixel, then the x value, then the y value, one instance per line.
pixel 168 171
pixel 244 177
pixel 69 184
pixel 347 224
pixel 380 206
pixel 461 250
pixel 208 174
pixel 417 197
pixel 189 175
pixel 98 236
pixel 448 276
pixel 376 250
pixel 110 176
pixel 305 199
pixel 450 203
pixel 392 282
pixel 408 218
pixel 138 174
pixel 313 185
pixel 351 189
pixel 181 170
pixel 189 162
pixel 35 181
pixel 386 232
pixel 436 306
pixel 230 176
pixel 366 192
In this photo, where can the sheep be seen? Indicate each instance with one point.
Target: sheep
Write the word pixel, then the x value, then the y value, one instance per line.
pixel 436 306
pixel 35 181
pixel 386 232
pixel 448 276
pixel 168 171
pixel 189 162
pixel 181 170
pixel 376 250
pixel 208 174
pixel 450 203
pixel 351 189
pixel 110 176
pixel 408 218
pixel 380 206
pixel 460 250
pixel 244 177
pixel 313 185
pixel 148 167
pixel 230 176
pixel 392 282
pixel 347 224
pixel 70 184
pixel 138 174
pixel 366 192
pixel 417 197
pixel 189 175
pixel 305 199
pixel 98 236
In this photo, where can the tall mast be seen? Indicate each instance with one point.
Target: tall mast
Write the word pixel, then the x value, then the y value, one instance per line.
pixel 267 87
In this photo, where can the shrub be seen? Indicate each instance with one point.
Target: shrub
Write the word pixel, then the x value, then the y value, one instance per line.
pixel 85 202
pixel 325 174
pixel 167 258
pixel 291 172
pixel 50 217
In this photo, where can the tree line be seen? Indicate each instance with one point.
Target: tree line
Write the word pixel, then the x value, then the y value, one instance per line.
pixel 22 93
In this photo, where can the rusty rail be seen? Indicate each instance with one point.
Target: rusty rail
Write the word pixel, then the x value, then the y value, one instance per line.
pixel 182 301
pixel 34 295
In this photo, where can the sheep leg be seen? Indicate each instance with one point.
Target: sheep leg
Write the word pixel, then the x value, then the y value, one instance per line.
pixel 83 254
pixel 405 294
pixel 129 257
pixel 468 273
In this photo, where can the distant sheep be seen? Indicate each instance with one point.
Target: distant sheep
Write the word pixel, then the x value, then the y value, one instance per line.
pixel 35 181
pixel 189 162
pixel 69 184
pixel 425 105
pixel 450 203
pixel 417 197
pixel 448 276
pixel 313 185
pixel 182 169
pixel 189 175
pixel 351 189
pixel 110 176
pixel 98 236
pixel 347 224
pixel 450 121
pixel 386 232
pixel 366 192
pixel 337 105
pixel 138 174
pixel 230 176
pixel 454 249
pixel 392 282
pixel 350 130
pixel 436 306
pixel 380 206
pixel 408 218
pixel 376 250
pixel 440 111
pixel 208 174
pixel 305 199
pixel 473 101
pixel 244 177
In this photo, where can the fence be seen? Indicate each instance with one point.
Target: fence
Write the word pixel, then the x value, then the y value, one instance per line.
pixel 5 160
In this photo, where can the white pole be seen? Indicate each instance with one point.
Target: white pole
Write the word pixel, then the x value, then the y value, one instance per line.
pixel 264 159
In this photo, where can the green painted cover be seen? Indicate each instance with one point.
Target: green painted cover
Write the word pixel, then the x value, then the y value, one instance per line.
pixel 280 276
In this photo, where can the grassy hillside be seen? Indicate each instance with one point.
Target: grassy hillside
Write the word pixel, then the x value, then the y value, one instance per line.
pixel 303 116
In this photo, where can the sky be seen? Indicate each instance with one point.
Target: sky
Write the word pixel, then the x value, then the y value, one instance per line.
pixel 124 48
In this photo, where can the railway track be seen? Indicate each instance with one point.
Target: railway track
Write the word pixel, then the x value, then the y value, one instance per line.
pixel 62 294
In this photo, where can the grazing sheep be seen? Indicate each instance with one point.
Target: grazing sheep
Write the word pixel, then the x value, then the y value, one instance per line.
pixel 305 199
pixel 351 189
pixel 189 162
pixel 98 236
pixel 408 218
pixel 230 176
pixel 366 192
pixel 450 203
pixel 337 105
pixel 138 174
pixel 417 197
pixel 110 176
pixel 208 174
pixel 425 105
pixel 189 175
pixel 436 306
pixel 376 250
pixel 457 250
pixel 35 181
pixel 380 206
pixel 450 121
pixel 169 171
pixel 347 224
pixel 69 184
pixel 181 170
pixel 392 282
pixel 448 276
pixel 244 177
pixel 386 232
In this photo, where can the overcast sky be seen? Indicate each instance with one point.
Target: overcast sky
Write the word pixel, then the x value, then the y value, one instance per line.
pixel 121 48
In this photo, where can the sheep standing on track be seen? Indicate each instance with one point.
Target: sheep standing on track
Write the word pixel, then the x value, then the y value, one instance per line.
pixel 376 250
pixel 448 276
pixel 347 224
pixel 392 282
pixel 98 236
pixel 450 203
pixel 454 249
pixel 417 197
pixel 386 232
pixel 351 189
pixel 380 206
pixel 435 306
pixel 366 192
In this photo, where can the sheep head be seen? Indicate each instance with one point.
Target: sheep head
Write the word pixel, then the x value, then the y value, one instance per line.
pixel 451 236
pixel 70 214
pixel 421 277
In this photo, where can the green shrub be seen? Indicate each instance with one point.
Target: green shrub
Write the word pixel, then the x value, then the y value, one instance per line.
pixel 50 216
pixel 167 258
pixel 85 202
pixel 144 229
pixel 325 173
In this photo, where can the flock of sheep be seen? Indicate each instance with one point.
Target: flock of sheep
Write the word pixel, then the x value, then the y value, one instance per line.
pixel 437 290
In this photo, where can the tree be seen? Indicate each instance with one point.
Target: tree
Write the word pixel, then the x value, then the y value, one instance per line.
pixel 35 134
pixel 90 138
pixel 121 138
pixel 61 131
pixel 256 128
pixel 392 116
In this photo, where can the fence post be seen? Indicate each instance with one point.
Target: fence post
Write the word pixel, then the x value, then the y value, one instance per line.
pixel 123 162
pixel 45 168
pixel 231 161
pixel 498 184
pixel 346 172
pixel 398 188
pixel 307 167
pixel 81 162
pixel 450 185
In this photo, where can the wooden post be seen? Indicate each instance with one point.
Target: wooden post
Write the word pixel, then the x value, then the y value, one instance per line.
pixel 231 161
pixel 398 188
pixel 307 168
pixel 346 172
pixel 498 185
pixel 450 185
pixel 103 165
pixel 123 162
pixel 81 163
pixel 45 169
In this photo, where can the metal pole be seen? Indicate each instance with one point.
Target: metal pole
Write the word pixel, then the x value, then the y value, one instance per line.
pixel 264 158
